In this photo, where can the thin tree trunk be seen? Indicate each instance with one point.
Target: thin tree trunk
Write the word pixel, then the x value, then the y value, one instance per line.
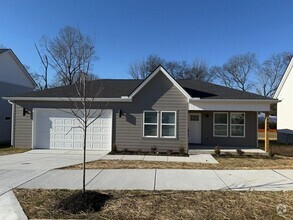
pixel 85 131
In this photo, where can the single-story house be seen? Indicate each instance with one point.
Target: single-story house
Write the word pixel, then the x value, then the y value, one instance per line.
pixel 139 114
pixel 285 108
pixel 14 79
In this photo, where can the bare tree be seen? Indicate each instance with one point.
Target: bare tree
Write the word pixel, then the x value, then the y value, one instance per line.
pixel 141 69
pixel 67 53
pixel 199 69
pixel 270 73
pixel 235 73
pixel 82 107
pixel 42 79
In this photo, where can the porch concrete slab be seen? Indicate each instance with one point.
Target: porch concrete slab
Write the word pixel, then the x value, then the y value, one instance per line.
pixel 179 159
pixel 261 180
pixel 60 179
pixel 286 173
pixel 133 157
pixel 124 179
pixel 112 157
pixel 156 158
pixel 203 158
pixel 10 207
pixel 15 178
pixel 180 179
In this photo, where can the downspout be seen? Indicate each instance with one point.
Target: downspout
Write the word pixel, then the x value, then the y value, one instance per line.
pixel 12 122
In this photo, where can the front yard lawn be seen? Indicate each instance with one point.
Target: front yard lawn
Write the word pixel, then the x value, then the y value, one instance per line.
pixel 231 162
pixel 42 204
pixel 279 149
pixel 5 150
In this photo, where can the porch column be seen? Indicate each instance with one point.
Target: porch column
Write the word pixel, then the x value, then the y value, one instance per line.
pixel 267 140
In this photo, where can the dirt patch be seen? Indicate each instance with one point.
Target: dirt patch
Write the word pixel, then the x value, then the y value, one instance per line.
pixel 90 201
pixel 164 205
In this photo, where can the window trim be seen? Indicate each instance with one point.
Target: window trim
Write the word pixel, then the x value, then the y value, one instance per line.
pixel 244 127
pixel 161 125
pixel 143 124
pixel 214 124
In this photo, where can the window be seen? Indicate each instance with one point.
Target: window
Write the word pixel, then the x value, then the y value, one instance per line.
pixel 220 124
pixel 150 124
pixel 168 124
pixel 194 117
pixel 237 125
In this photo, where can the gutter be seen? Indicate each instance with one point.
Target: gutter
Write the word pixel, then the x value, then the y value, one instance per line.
pixel 66 99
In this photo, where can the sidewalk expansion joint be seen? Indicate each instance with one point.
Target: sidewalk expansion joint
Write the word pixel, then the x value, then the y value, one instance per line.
pixel 222 180
pixel 283 175
pixel 94 177
pixel 155 179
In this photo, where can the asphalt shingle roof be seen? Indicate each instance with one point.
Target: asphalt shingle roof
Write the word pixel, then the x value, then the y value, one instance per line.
pixel 115 88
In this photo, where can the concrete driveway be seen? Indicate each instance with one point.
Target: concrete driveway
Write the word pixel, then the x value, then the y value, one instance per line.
pixel 17 169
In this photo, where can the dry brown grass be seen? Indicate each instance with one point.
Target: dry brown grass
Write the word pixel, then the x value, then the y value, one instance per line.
pixel 232 163
pixel 5 150
pixel 164 205
pixel 279 149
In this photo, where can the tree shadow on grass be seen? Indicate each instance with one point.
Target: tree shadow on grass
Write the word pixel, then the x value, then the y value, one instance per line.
pixel 88 202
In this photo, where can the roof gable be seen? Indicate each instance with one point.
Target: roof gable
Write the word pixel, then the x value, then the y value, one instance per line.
pixel 284 78
pixel 152 75
pixel 13 66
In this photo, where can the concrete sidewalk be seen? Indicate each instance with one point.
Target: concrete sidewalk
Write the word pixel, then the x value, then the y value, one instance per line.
pixel 166 179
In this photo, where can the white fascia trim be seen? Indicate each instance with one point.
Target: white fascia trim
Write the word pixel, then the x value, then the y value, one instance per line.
pixel 152 75
pixel 62 99
pixel 235 100
pixel 284 78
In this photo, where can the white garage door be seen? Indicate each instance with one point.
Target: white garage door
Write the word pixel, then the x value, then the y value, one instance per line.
pixel 56 129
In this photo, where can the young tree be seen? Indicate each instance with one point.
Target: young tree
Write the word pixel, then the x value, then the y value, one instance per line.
pixel 235 73
pixel 67 53
pixel 82 107
pixel 270 73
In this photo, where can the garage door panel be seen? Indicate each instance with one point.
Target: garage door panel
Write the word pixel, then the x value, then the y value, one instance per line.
pixel 56 129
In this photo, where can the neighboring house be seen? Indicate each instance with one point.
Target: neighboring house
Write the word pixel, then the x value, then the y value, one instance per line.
pixel 14 79
pixel 158 111
pixel 285 108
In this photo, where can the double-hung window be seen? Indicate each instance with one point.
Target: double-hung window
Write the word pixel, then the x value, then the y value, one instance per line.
pixel 150 124
pixel 237 124
pixel 168 124
pixel 220 124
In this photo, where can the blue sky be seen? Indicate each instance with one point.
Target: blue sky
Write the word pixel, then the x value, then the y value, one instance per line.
pixel 130 30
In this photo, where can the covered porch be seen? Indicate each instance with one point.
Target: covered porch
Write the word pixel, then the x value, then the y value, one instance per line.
pixel 231 125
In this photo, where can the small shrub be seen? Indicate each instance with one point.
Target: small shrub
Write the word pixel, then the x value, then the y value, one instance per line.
pixel 169 152
pixel 115 148
pixel 125 150
pixel 139 151
pixel 154 149
pixel 181 149
pixel 240 152
pixel 228 154
pixel 272 152
pixel 218 150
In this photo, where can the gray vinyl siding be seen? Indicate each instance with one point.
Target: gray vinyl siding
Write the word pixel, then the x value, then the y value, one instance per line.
pixel 159 94
pixel 250 139
pixel 22 129
pixel 8 89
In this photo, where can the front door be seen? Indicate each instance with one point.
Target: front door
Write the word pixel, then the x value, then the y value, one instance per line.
pixel 194 128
